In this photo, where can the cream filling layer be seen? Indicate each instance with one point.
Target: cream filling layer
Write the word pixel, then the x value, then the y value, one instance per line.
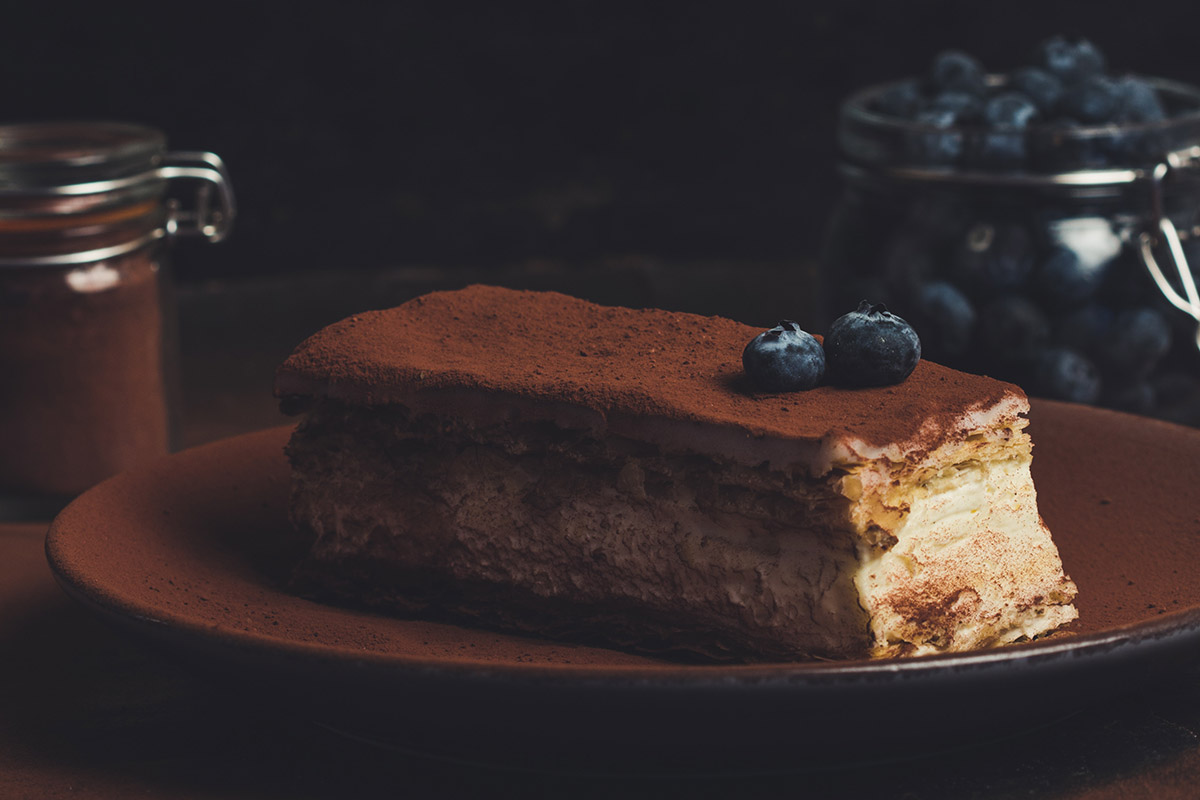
pixel 972 565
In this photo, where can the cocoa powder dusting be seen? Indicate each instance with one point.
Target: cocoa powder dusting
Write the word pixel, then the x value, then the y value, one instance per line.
pixel 650 363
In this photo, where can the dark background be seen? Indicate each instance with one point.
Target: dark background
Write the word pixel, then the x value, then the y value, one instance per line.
pixel 365 136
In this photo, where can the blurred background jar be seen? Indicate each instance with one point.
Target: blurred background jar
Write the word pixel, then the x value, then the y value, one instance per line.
pixel 87 341
pixel 1051 254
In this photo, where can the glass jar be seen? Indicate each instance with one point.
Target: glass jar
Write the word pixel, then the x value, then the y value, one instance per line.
pixel 86 323
pixel 1054 257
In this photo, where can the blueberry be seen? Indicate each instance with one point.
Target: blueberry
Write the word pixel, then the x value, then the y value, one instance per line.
pixel 955 71
pixel 1063 374
pixel 1088 58
pixel 1138 101
pixel 1063 280
pixel 1010 110
pixel 1127 284
pixel 1139 338
pixel 1093 101
pixel 1127 147
pixel 1181 323
pixel 938 143
pixel 1056 147
pixel 1069 61
pixel 1001 148
pixel 784 359
pixel 1003 144
pixel 967 107
pixel 946 319
pixel 1040 86
pixel 902 99
pixel 871 347
pixel 1012 328
pixel 993 256
pixel 1085 329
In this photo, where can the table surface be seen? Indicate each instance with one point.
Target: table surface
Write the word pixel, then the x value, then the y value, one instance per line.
pixel 87 713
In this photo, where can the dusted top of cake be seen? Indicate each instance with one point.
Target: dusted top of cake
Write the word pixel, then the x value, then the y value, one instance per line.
pixel 626 366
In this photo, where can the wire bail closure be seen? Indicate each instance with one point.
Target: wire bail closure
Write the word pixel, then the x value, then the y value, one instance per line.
pixel 204 219
pixel 1162 231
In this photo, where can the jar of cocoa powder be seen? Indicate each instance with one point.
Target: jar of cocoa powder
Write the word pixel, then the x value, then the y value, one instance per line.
pixel 87 210
pixel 1057 255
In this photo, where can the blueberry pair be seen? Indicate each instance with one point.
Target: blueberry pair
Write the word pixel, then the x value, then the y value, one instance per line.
pixel 867 347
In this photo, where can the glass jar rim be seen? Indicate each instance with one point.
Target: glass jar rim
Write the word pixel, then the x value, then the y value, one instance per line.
pixel 37 157
pixel 1049 154
pixel 858 107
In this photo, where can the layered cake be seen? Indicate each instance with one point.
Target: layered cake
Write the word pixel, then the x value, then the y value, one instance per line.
pixel 539 463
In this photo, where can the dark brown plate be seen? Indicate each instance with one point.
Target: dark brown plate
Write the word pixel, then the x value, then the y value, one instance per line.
pixel 188 551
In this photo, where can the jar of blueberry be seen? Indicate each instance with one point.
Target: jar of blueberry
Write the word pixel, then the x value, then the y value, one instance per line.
pixel 1035 225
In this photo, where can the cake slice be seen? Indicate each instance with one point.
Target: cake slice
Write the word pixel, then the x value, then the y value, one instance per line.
pixel 543 464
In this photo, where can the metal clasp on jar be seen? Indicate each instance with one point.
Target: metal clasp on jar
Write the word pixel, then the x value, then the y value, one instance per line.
pixel 1163 235
pixel 212 221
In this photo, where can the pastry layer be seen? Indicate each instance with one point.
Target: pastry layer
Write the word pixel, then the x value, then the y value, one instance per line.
pixel 953 555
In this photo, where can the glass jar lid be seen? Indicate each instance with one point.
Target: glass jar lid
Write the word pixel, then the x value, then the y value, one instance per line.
pixel 77 157
pixel 59 177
